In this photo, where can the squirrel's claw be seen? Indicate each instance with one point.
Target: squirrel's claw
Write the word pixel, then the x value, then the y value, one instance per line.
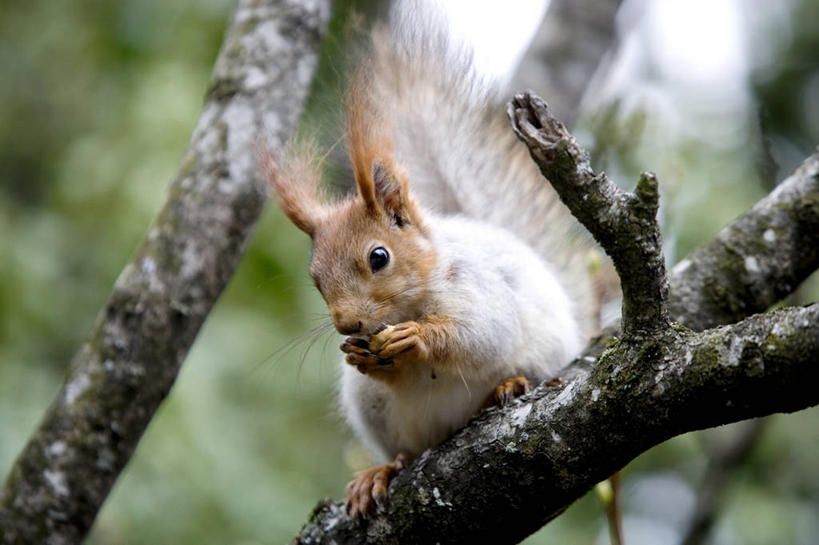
pixel 379 353
pixel 361 358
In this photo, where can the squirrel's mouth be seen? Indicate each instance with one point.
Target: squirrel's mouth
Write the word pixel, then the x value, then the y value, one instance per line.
pixel 365 335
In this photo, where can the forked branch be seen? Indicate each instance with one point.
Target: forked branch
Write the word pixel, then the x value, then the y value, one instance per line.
pixel 625 224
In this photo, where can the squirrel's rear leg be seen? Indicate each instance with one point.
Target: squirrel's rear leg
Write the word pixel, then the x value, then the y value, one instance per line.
pixel 506 391
pixel 368 490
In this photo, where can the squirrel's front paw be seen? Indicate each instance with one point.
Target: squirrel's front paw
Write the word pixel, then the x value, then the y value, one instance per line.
pixel 404 340
pixel 360 356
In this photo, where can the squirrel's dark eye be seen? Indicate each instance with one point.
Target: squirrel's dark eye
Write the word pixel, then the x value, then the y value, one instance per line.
pixel 379 258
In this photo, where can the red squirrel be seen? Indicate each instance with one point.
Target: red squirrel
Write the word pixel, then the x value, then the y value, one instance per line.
pixel 453 271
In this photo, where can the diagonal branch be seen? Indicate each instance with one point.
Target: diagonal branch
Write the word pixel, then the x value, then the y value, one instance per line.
pixel 723 461
pixel 130 359
pixel 512 470
pixel 567 52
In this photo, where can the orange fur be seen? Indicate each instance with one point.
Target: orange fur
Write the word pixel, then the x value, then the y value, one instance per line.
pixel 345 232
pixel 340 266
pixel 369 488
pixel 434 336
pixel 369 136
pixel 508 390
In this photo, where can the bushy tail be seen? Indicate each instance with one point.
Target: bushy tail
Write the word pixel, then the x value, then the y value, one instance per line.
pixel 449 130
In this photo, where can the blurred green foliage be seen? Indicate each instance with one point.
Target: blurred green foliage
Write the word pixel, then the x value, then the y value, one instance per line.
pixel 97 101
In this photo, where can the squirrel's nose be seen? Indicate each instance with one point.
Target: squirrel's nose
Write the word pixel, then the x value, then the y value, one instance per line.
pixel 346 327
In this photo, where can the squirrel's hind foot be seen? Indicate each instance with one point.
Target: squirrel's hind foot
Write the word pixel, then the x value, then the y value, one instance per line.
pixel 506 391
pixel 368 491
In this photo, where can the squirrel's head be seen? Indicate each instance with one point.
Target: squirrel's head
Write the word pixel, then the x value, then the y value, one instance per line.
pixel 371 253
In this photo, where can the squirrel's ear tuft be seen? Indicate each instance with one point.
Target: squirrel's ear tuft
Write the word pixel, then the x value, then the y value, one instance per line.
pixel 368 134
pixel 296 184
pixel 381 183
pixel 392 192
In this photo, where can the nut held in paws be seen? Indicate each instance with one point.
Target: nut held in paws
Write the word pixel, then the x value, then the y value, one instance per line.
pixel 377 340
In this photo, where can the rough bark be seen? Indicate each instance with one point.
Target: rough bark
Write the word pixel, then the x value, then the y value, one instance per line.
pixel 511 470
pixel 130 359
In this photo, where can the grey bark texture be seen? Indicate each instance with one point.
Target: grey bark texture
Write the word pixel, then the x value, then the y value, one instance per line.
pixel 566 51
pixel 511 470
pixel 129 361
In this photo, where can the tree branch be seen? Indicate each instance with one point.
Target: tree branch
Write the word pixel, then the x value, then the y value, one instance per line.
pixel 757 260
pixel 625 224
pixel 130 359
pixel 511 470
pixel 723 460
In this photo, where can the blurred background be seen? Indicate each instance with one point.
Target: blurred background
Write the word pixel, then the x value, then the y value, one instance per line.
pixel 97 102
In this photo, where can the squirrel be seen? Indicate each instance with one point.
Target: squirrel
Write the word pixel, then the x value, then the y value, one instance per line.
pixel 454 271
